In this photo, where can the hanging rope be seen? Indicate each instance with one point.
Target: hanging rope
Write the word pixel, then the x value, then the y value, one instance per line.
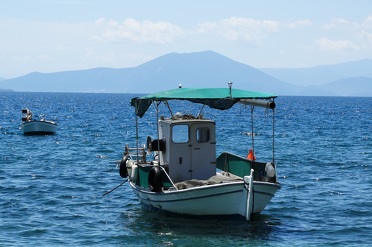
pixel 108 192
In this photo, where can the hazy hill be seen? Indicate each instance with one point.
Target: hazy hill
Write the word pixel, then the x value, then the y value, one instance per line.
pixel 91 80
pixel 323 74
pixel 199 69
pixel 204 69
pixel 344 79
pixel 352 86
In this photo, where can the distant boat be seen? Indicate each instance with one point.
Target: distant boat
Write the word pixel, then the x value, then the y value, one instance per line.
pixel 30 126
pixel 185 176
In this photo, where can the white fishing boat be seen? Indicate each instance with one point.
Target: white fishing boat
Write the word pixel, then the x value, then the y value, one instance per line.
pixel 31 126
pixel 185 176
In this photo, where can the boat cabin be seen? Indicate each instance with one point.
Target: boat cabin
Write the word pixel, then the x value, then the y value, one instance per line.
pixel 188 149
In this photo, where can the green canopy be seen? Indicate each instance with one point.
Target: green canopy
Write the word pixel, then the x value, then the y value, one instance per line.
pixel 218 98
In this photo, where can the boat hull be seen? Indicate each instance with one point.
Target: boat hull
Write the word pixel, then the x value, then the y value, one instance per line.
pixel 217 199
pixel 39 128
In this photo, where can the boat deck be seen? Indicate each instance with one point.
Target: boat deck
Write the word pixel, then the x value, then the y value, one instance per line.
pixel 217 179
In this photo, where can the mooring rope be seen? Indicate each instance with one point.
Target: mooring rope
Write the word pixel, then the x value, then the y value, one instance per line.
pixel 108 192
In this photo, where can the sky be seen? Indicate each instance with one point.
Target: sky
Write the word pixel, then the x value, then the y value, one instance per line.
pixel 63 35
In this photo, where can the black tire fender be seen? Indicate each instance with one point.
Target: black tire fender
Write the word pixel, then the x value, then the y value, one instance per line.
pixel 155 179
pixel 123 167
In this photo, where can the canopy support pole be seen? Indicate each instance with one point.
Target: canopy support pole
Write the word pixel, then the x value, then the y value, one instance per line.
pixel 170 110
pixel 274 136
pixel 137 141
pixel 252 133
pixel 201 111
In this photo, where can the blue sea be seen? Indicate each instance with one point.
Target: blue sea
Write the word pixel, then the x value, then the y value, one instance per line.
pixel 51 187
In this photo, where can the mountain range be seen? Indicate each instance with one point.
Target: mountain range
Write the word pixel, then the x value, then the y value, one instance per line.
pixel 204 69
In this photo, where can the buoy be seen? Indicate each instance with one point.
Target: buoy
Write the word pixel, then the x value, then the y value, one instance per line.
pixel 251 156
pixel 270 170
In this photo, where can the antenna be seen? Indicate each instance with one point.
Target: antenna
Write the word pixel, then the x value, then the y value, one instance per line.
pixel 230 85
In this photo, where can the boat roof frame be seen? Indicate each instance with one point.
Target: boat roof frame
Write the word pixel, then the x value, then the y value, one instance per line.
pixel 217 98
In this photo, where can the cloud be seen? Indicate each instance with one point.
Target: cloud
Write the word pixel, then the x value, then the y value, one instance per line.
pixel 367 36
pixel 236 28
pixel 137 31
pixel 247 29
pixel 338 24
pixel 351 36
pixel 326 44
pixel 342 24
pixel 367 23
pixel 299 23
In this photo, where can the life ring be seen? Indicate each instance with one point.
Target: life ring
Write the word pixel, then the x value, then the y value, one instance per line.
pixel 123 167
pixel 155 179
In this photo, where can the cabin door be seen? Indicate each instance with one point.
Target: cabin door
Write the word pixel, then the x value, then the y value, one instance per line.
pixel 180 153
pixel 203 150
pixel 192 151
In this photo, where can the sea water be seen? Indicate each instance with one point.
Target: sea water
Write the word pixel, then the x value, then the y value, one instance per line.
pixel 51 187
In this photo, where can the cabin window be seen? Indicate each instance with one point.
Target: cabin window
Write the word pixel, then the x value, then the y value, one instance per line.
pixel 202 134
pixel 180 133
